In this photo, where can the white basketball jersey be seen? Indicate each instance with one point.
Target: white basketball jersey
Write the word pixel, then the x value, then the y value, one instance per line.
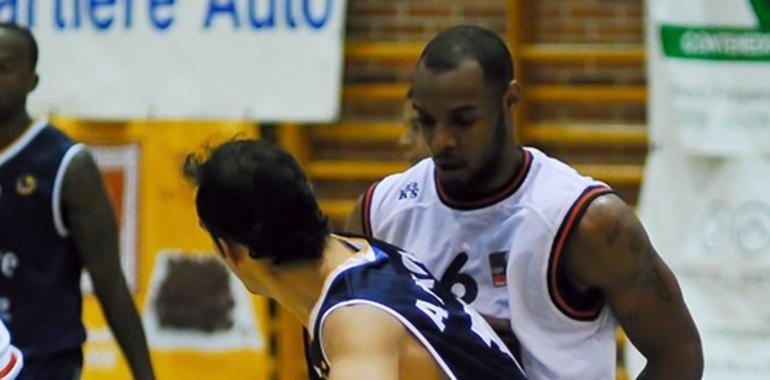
pixel 501 255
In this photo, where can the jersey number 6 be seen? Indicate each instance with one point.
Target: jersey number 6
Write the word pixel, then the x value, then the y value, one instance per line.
pixel 453 277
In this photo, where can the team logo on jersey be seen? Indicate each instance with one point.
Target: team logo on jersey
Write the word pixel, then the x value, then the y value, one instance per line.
pixel 497 263
pixel 26 184
pixel 409 191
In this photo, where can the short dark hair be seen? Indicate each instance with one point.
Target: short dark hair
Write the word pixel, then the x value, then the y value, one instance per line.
pixel 26 34
pixel 254 193
pixel 455 45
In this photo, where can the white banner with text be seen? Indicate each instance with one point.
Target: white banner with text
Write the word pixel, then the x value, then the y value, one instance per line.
pixel 263 60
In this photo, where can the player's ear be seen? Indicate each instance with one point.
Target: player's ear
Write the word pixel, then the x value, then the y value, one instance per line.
pixel 34 80
pixel 512 94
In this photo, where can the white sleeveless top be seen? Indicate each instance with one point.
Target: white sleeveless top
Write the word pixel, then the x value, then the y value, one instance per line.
pixel 501 255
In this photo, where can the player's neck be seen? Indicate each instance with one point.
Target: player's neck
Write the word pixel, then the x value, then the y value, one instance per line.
pixel 510 164
pixel 13 126
pixel 302 284
pixel 491 181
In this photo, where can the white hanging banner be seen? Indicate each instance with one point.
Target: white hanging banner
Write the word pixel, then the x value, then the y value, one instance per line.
pixel 705 200
pixel 709 75
pixel 710 220
pixel 265 60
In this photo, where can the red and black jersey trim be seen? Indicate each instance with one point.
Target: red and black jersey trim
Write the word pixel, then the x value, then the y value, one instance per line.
pixel 583 307
pixel 504 193
pixel 9 366
pixel 366 207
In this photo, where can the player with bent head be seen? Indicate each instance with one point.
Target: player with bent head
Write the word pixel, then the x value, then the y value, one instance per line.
pixel 372 311
pixel 520 235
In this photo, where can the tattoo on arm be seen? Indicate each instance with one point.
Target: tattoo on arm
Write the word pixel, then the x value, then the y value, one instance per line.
pixel 637 242
pixel 654 278
pixel 612 237
pixel 648 273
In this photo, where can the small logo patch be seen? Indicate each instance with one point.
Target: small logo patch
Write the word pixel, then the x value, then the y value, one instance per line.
pixel 26 185
pixel 409 191
pixel 497 264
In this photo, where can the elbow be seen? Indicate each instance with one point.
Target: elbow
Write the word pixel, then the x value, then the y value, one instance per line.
pixel 694 355
pixel 681 361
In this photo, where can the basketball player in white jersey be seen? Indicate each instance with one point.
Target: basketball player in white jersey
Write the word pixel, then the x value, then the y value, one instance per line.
pixel 522 236
pixel 371 310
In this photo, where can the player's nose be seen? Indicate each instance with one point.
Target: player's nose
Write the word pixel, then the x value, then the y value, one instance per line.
pixel 443 138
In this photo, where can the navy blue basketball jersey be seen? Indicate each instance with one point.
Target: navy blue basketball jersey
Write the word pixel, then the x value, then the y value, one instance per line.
pixel 458 338
pixel 40 270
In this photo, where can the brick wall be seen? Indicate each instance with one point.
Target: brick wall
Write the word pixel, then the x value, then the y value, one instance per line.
pixel 587 21
pixel 553 21
pixel 418 20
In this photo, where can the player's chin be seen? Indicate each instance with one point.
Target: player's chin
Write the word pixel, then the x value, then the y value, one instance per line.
pixel 454 180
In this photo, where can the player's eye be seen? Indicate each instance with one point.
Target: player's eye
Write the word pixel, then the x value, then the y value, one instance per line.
pixel 426 121
pixel 464 121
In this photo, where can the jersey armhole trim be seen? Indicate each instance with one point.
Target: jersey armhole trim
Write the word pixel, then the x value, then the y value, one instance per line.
pixel 408 325
pixel 58 218
pixel 567 227
pixel 13 361
pixel 366 210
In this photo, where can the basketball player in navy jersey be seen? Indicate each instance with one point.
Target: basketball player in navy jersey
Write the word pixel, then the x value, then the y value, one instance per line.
pixel 522 236
pixel 55 219
pixel 371 310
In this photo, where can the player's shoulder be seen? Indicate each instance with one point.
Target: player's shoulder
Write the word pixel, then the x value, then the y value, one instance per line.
pixel 403 190
pixel 552 186
pixel 420 173
pixel 51 132
pixel 360 327
pixel 547 172
pixel 357 319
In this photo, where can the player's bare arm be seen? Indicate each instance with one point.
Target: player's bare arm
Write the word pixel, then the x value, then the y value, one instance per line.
pixel 92 224
pixel 353 224
pixel 363 342
pixel 610 251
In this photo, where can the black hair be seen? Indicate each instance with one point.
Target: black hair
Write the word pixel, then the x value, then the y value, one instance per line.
pixel 26 34
pixel 254 193
pixel 455 45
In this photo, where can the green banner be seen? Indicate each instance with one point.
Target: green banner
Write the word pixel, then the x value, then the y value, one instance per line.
pixel 716 43
pixel 762 10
